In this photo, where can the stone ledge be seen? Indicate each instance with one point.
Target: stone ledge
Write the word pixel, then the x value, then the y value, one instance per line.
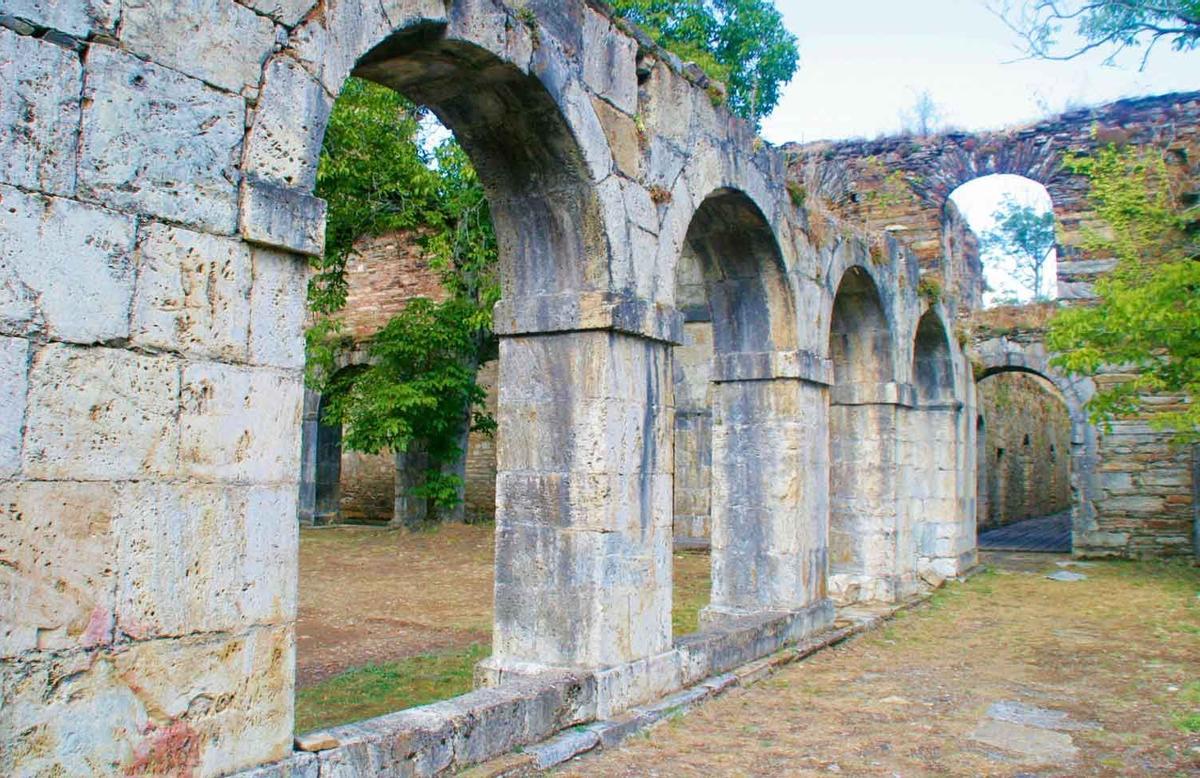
pixel 529 704
pixel 769 365
pixel 281 218
pixel 586 311
pixel 890 393
pixel 611 732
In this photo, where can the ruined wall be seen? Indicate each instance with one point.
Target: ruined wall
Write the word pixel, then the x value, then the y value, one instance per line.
pixel 157 165
pixel 1027 444
pixel 383 274
pixel 1147 485
pixel 481 453
pixel 903 184
pixel 367 487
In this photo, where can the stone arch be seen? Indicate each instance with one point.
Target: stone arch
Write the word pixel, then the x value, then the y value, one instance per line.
pixel 527 127
pixel 933 533
pixel 865 531
pixel 1001 355
pixel 861 346
pixel 764 558
pixel 933 372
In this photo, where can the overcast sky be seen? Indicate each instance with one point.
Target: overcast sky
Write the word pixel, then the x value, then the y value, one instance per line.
pixel 862 63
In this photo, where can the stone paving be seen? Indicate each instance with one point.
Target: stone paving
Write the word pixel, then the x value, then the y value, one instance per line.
pixel 1050 534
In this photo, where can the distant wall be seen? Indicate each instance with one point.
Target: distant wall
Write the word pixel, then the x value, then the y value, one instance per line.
pixel 1025 452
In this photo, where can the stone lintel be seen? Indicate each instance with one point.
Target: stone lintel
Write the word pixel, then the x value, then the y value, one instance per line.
pixel 891 393
pixel 584 311
pixel 942 405
pixel 770 365
pixel 282 218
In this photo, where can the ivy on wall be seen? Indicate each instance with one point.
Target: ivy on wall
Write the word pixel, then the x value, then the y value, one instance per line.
pixel 1145 322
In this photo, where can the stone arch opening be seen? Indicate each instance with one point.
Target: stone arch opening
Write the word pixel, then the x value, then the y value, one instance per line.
pixel 527 157
pixel 1027 493
pixel 933 366
pixel 985 272
pixel 863 523
pixel 553 245
pixel 731 375
pixel 931 524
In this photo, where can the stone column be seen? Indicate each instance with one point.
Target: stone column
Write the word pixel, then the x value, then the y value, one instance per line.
pixel 931 488
pixel 583 492
pixel 411 467
pixel 866 529
pixel 307 504
pixel 770 476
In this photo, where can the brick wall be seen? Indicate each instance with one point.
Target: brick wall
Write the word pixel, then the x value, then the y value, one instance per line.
pixel 1026 447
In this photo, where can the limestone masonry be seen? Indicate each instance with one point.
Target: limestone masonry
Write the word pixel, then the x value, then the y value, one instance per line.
pixel 157 163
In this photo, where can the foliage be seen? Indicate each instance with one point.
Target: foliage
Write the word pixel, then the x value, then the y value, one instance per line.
pixel 420 383
pixel 1102 24
pixel 1026 235
pixel 741 43
pixel 1147 318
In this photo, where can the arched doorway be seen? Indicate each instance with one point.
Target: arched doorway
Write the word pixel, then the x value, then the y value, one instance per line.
pixel 1024 464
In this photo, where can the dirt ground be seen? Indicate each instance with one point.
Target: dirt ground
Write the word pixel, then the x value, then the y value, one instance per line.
pixel 1010 674
pixel 370 596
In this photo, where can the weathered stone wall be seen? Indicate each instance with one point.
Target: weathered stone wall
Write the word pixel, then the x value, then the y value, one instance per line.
pixel 157 176
pixel 903 184
pixel 382 275
pixel 1027 446
pixel 368 487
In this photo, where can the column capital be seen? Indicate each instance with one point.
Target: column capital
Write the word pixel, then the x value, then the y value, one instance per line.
pixel 582 311
pixel 771 365
pixel 890 393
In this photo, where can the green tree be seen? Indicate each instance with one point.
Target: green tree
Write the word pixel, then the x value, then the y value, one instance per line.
pixel 741 43
pixel 1026 236
pixel 1146 320
pixel 1102 24
pixel 420 385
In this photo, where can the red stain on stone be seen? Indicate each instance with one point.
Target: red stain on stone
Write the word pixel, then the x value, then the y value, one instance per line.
pixel 98 631
pixel 172 750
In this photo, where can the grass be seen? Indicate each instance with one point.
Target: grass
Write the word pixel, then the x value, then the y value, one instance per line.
pixel 374 690
pixel 692 588
pixel 378 689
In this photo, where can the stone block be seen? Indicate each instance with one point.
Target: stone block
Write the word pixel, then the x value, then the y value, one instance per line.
pixel 157 141
pixel 14 384
pixel 56 585
pixel 205 559
pixel 40 87
pixel 214 703
pixel 193 293
pixel 286 12
pixel 74 17
pixel 240 424
pixel 285 141
pixel 277 309
pixel 281 218
pixel 217 41
pixel 205 705
pixel 101 414
pixel 65 268
pixel 622 135
pixel 610 62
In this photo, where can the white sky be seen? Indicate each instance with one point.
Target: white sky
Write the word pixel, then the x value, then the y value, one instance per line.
pixel 863 64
